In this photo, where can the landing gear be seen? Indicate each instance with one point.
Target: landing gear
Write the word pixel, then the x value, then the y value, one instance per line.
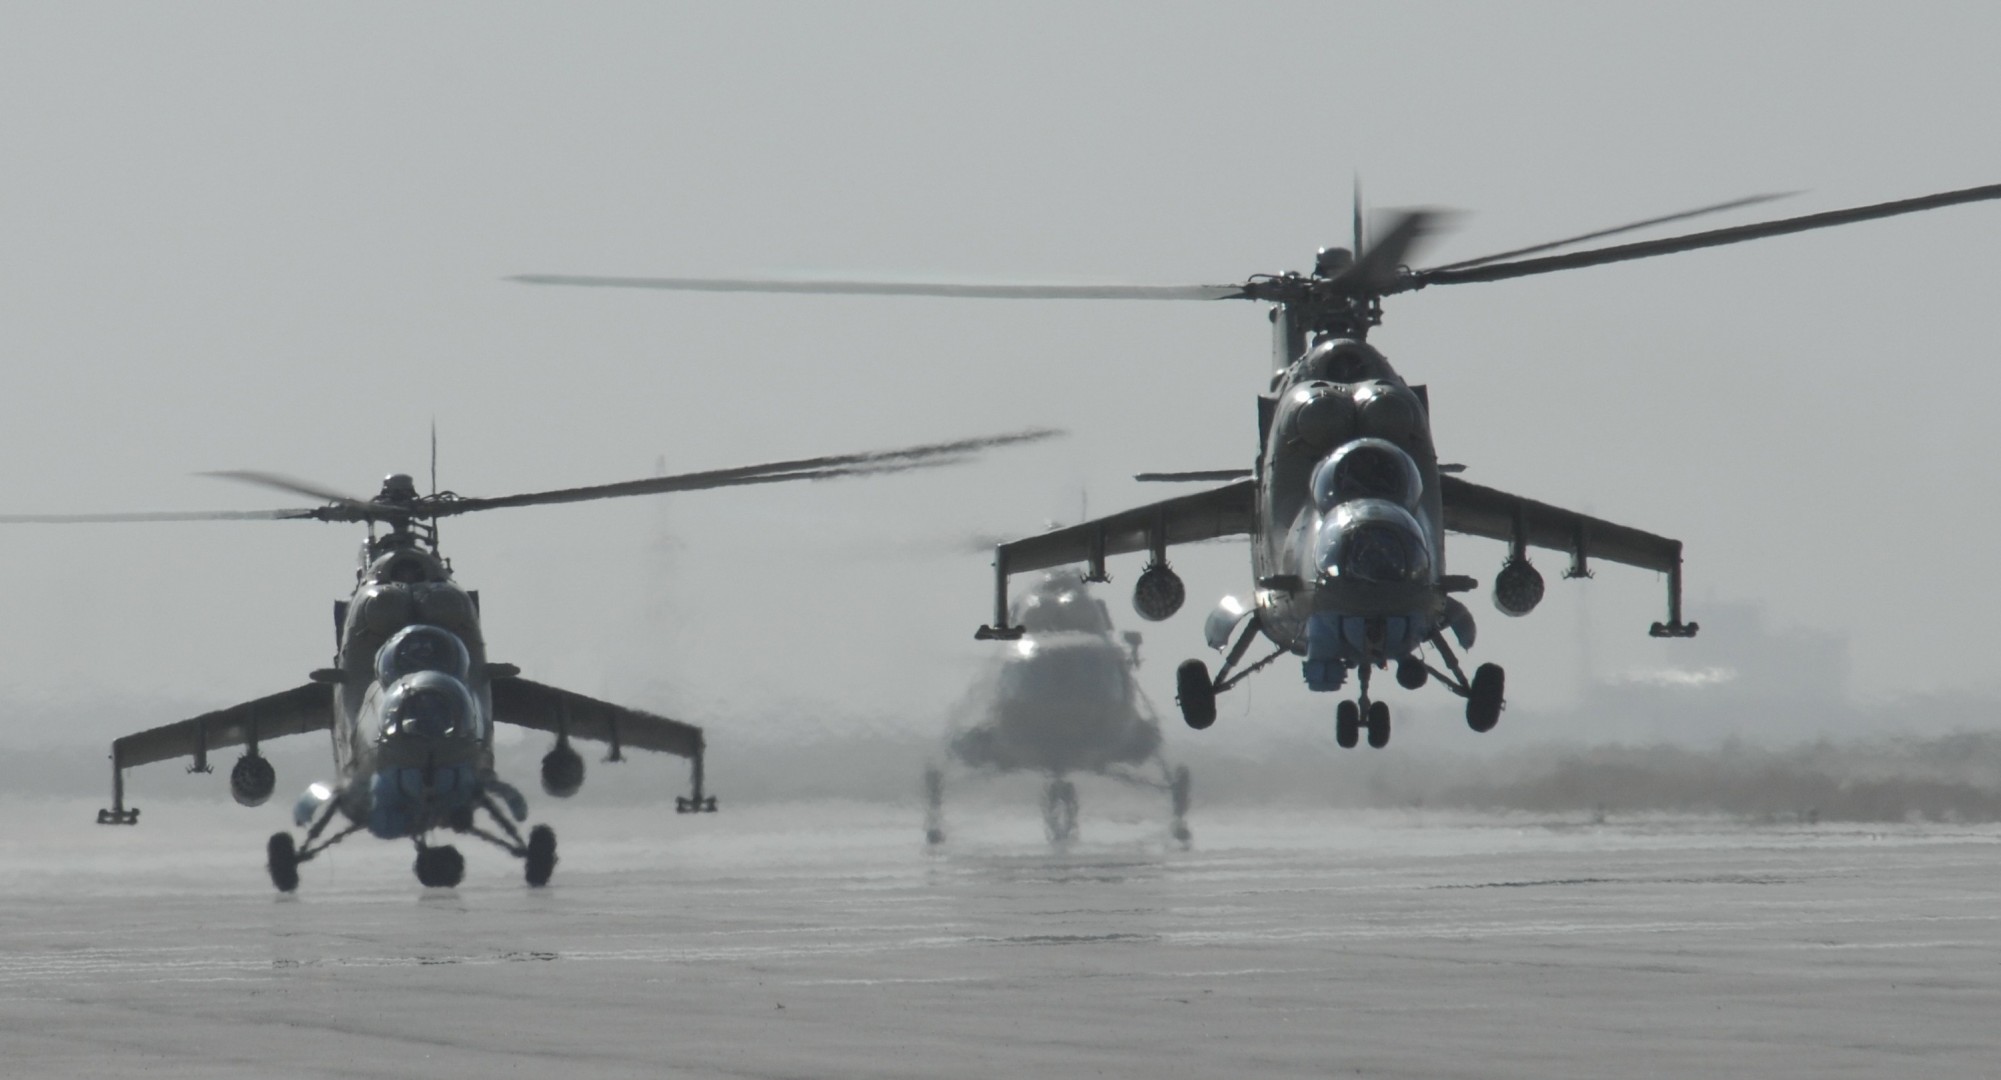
pixel 282 859
pixel 1196 691
pixel 1379 725
pixel 1177 793
pixel 1411 674
pixel 1059 811
pixel 439 867
pixel 1484 698
pixel 538 851
pixel 1347 725
pixel 1352 717
pixel 1195 694
pixel 934 806
pixel 541 855
pixel 1485 692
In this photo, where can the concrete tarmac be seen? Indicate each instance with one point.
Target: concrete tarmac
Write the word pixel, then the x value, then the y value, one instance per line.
pixel 822 940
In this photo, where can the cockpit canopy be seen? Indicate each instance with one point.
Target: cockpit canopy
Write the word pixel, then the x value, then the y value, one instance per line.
pixel 430 705
pixel 422 648
pixel 1373 541
pixel 1060 603
pixel 1367 469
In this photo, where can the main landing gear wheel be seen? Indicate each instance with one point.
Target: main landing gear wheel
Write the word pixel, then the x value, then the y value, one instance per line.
pixel 1059 811
pixel 1379 725
pixel 1177 793
pixel 541 854
pixel 1195 693
pixel 1484 698
pixel 444 867
pixel 1347 725
pixel 281 857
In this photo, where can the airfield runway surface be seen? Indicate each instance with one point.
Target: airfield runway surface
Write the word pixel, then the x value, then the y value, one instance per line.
pixel 820 940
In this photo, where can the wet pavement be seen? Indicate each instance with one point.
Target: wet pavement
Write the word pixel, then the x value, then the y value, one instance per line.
pixel 822 940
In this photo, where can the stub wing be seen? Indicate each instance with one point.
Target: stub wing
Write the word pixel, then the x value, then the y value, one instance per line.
pixel 1230 510
pixel 1205 515
pixel 1497 515
pixel 294 712
pixel 1524 523
pixel 545 708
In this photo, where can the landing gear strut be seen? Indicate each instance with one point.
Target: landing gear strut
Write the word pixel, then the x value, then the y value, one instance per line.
pixel 1485 692
pixel 1177 793
pixel 538 852
pixel 282 857
pixel 934 805
pixel 1059 811
pixel 1196 691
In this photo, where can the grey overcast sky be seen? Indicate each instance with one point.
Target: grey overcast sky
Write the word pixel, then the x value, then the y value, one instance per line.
pixel 273 236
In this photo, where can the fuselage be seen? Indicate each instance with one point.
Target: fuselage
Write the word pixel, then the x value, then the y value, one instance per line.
pixel 1348 552
pixel 1063 697
pixel 413 707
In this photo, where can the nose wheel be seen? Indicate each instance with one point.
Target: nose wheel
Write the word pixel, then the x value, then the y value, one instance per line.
pixel 1352 718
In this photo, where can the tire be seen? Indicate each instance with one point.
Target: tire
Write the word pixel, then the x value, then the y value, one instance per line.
pixel 1485 701
pixel 1195 693
pixel 440 867
pixel 1347 725
pixel 1379 724
pixel 541 858
pixel 1411 674
pixel 1178 791
pixel 281 857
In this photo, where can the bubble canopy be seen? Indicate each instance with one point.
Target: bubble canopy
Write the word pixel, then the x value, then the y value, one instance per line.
pixel 1373 541
pixel 429 705
pixel 422 648
pixel 1367 469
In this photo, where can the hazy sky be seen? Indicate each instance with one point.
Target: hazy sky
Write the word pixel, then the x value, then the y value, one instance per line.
pixel 273 236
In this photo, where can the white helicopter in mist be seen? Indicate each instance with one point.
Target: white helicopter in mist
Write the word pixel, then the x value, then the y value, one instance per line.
pixel 1061 701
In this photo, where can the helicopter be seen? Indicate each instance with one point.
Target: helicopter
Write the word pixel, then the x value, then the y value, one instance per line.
pixel 1346 506
pixel 411 700
pixel 1063 700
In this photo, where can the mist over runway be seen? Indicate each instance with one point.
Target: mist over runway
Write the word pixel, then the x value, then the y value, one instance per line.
pixel 818 939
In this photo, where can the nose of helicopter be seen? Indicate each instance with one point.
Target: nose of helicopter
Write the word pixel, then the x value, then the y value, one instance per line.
pixel 405 800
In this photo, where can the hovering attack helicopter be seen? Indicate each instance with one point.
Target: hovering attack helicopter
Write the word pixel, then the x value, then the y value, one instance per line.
pixel 1346 505
pixel 1063 701
pixel 411 700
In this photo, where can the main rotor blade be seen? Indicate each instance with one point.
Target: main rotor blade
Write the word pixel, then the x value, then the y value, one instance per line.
pixel 290 486
pixel 931 455
pixel 1713 238
pixel 1377 269
pixel 162 515
pixel 897 288
pixel 1733 204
